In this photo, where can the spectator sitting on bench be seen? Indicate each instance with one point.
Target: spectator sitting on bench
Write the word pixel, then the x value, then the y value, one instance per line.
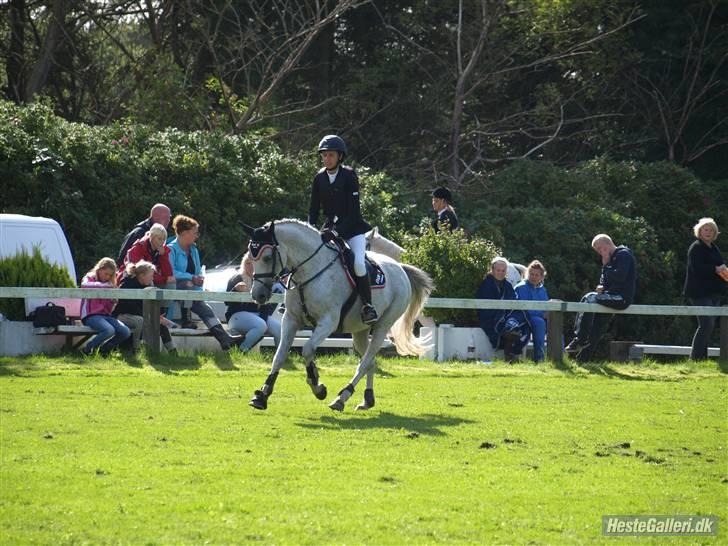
pixel 96 312
pixel 507 330
pixel 616 289
pixel 140 275
pixel 187 270
pixel 532 289
pixel 251 319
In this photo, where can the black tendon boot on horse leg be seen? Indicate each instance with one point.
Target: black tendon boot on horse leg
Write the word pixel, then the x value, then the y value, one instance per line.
pixel 368 402
pixel 368 313
pixel 344 395
pixel 260 398
pixel 312 378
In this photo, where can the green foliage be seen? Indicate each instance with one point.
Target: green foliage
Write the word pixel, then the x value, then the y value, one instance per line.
pixel 98 182
pixel 535 210
pixel 457 265
pixel 26 269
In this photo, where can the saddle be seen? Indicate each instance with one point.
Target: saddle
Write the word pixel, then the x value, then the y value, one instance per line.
pixel 377 278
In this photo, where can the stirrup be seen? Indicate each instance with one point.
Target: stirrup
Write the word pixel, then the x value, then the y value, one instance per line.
pixel 369 314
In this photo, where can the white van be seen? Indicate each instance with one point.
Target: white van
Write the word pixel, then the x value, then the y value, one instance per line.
pixel 18 232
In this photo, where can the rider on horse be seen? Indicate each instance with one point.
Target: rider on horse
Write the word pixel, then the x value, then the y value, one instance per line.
pixel 336 190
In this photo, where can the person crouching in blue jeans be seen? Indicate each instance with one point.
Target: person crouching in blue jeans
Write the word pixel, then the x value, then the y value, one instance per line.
pixel 96 312
pixel 532 289
pixel 250 319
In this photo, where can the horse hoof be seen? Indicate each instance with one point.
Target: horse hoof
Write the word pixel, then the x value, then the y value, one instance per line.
pixel 322 393
pixel 337 405
pixel 258 402
pixel 363 406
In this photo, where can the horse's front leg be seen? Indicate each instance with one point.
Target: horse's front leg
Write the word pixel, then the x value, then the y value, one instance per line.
pixel 289 327
pixel 324 329
pixel 366 365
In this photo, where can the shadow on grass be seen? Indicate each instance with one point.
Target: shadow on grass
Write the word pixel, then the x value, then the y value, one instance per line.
pixel 723 365
pixel 429 424
pixel 223 361
pixel 166 363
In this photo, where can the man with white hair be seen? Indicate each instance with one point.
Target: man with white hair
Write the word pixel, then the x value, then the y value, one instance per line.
pixel 160 214
pixel 616 289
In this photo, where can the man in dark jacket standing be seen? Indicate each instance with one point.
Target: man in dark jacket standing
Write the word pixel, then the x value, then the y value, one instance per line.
pixel 616 289
pixel 160 214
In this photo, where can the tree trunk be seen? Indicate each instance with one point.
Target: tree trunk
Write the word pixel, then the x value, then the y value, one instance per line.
pixel 15 69
pixel 53 39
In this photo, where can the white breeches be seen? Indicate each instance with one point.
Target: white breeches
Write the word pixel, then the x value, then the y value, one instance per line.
pixel 358 245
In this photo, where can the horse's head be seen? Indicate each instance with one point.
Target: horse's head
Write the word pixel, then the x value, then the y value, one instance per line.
pixel 379 243
pixel 269 259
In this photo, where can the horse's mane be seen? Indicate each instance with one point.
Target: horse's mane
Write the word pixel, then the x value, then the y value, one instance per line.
pixel 292 221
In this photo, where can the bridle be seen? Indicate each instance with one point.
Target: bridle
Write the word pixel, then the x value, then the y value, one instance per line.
pixel 256 248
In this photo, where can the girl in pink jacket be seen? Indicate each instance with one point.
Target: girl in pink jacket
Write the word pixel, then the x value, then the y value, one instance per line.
pixel 96 312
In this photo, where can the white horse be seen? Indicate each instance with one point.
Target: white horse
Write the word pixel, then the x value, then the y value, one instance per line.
pixel 318 288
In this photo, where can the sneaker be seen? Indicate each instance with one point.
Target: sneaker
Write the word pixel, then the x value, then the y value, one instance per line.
pixel 87 351
pixel 576 345
pixel 369 314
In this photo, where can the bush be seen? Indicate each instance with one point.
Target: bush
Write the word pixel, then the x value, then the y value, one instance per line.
pixel 98 182
pixel 29 270
pixel 456 264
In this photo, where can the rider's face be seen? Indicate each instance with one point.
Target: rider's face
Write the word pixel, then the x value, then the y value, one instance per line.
pixel 330 159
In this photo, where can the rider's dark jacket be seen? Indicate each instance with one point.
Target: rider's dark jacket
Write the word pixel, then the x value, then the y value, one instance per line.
pixel 339 201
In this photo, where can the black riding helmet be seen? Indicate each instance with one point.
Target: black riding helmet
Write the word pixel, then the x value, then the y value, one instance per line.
pixel 333 142
pixel 442 193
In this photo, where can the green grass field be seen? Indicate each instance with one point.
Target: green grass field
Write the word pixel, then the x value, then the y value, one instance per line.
pixel 167 451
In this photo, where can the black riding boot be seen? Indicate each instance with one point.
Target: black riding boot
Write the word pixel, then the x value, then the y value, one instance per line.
pixel 223 338
pixel 368 313
pixel 185 319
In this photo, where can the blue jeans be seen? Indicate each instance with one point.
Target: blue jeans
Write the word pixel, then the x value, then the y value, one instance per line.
pixel 254 328
pixel 538 331
pixel 706 325
pixel 111 332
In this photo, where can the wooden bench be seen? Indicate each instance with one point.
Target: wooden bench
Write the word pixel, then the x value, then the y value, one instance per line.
pixel 637 351
pixel 77 334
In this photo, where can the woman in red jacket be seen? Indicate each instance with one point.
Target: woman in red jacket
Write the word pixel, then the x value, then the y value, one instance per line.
pixel 152 248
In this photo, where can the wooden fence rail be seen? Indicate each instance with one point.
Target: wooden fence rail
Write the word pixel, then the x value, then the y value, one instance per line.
pixel 154 296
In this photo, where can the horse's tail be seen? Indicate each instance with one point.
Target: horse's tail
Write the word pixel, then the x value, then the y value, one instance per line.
pixel 402 334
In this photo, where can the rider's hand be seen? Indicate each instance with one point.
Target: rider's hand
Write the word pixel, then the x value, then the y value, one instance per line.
pixel 329 235
pixel 241 287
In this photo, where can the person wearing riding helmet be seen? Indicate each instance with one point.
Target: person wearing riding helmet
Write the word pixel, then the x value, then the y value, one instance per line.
pixel 335 189
pixel 442 205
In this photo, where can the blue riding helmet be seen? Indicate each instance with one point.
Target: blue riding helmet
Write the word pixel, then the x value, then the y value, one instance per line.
pixel 333 142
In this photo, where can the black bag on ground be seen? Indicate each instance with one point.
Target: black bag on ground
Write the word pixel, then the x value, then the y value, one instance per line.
pixel 49 314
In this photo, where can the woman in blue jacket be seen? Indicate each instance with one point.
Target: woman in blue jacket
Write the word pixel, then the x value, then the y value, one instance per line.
pixel 532 289
pixel 185 260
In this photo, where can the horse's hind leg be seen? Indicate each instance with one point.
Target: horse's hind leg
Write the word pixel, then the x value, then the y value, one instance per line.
pixel 323 329
pixel 366 364
pixel 361 340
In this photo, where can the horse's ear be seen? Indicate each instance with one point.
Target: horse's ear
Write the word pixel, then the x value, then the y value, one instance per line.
pixel 247 229
pixel 271 226
pixel 375 231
